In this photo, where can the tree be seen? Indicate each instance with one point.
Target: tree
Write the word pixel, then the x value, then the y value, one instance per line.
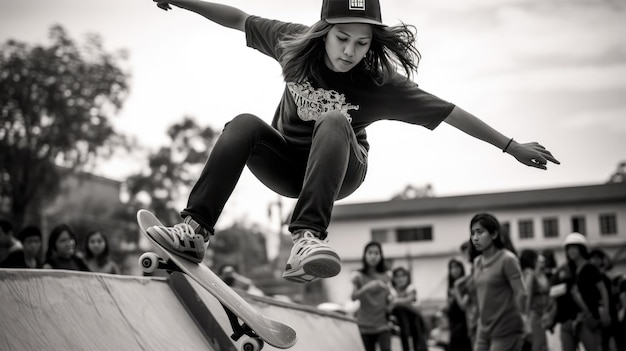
pixel 172 170
pixel 55 107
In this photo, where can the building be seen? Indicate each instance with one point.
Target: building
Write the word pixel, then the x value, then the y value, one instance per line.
pixel 422 234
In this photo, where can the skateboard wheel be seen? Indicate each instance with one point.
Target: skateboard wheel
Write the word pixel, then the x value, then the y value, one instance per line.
pixel 251 344
pixel 149 262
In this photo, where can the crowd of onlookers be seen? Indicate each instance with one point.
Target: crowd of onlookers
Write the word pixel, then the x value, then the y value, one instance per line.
pixel 508 301
pixel 25 249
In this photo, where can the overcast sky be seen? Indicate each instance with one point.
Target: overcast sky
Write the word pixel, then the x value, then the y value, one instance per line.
pixel 546 71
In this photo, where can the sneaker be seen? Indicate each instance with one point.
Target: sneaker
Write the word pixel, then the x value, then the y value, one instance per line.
pixel 311 259
pixel 188 239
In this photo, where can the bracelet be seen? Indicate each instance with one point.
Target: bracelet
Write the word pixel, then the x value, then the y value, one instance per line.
pixel 507 145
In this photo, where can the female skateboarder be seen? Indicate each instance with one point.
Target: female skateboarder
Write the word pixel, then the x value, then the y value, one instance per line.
pixel 341 74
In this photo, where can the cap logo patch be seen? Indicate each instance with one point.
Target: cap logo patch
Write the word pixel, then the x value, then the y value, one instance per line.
pixel 358 5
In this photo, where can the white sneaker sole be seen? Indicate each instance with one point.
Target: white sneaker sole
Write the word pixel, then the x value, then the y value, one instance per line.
pixel 320 265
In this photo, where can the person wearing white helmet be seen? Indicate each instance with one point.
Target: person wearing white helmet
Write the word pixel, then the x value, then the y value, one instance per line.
pixel 589 294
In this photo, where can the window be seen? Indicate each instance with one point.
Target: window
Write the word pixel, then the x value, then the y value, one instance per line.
pixel 414 234
pixel 579 225
pixel 526 229
pixel 380 235
pixel 551 227
pixel 608 224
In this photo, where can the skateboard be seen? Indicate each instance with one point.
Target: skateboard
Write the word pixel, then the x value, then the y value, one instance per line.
pixel 244 319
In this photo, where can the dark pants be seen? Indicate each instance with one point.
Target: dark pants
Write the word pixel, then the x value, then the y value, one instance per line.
pixel 411 327
pixel 383 339
pixel 573 334
pixel 333 168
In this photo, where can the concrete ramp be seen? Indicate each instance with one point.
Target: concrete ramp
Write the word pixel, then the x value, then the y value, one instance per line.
pixel 316 330
pixel 59 310
pixel 63 310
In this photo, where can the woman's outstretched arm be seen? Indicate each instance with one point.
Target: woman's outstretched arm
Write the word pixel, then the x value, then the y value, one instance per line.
pixel 531 154
pixel 224 15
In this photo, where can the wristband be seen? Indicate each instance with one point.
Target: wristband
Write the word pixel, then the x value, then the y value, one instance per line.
pixel 507 145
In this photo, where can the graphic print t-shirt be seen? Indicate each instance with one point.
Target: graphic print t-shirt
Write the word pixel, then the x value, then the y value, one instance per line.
pixel 353 93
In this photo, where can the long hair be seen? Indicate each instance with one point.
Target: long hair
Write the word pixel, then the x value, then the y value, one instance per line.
pixel 54 236
pixel 528 259
pixel 104 256
pixel 381 267
pixel 301 54
pixel 451 279
pixel 491 224
pixel 584 253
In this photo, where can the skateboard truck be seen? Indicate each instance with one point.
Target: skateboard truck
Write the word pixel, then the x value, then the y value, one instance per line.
pixel 242 329
pixel 151 262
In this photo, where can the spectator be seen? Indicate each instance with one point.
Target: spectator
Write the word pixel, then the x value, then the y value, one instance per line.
pixel 29 255
pixel 97 254
pixel 466 292
pixel 538 298
pixel 620 337
pixel 8 243
pixel 229 275
pixel 457 321
pixel 61 253
pixel 371 287
pixel 602 262
pixel 562 309
pixel 589 294
pixel 404 308
pixel 550 263
pixel 499 288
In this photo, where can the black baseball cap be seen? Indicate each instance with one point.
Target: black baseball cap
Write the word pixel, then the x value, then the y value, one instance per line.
pixel 352 11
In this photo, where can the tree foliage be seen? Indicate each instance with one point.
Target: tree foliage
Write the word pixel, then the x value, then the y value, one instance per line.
pixel 56 102
pixel 172 170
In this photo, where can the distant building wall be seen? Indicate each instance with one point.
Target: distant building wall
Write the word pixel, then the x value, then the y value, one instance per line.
pixel 435 228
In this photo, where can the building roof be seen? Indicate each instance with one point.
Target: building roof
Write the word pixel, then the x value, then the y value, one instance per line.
pixel 590 194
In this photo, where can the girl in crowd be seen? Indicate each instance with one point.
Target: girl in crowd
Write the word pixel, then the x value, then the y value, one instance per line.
pixel 29 256
pixel 589 295
pixel 538 287
pixel 61 253
pixel 97 254
pixel 603 263
pixel 465 292
pixel 343 73
pixel 457 319
pixel 371 286
pixel 500 289
pixel 405 310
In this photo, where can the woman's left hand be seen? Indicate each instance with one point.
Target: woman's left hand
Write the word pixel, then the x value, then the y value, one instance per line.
pixel 531 154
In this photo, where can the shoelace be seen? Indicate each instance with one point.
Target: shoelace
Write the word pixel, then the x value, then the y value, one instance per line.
pixel 308 237
pixel 182 229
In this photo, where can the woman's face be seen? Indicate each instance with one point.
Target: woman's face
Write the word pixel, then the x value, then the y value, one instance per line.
pixel 481 238
pixel 401 278
pixel 346 45
pixel 455 270
pixel 32 245
pixel 572 252
pixel 372 256
pixel 541 263
pixel 96 244
pixel 65 245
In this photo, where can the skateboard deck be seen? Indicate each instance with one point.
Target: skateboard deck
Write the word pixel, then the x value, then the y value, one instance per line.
pixel 255 324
